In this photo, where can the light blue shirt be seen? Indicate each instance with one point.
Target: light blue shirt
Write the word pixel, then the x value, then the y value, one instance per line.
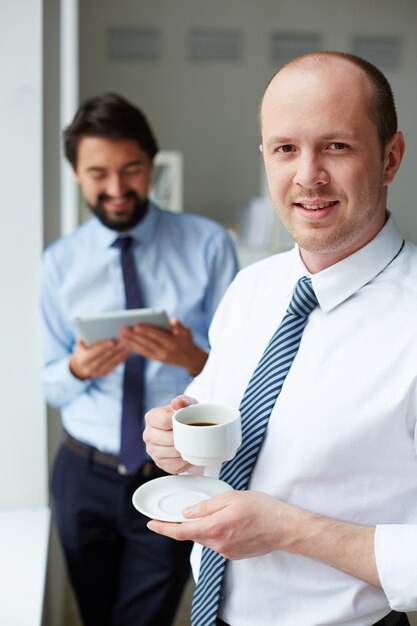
pixel 184 262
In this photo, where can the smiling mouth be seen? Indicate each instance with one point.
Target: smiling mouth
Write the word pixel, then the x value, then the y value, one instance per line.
pixel 315 206
pixel 118 209
pixel 117 202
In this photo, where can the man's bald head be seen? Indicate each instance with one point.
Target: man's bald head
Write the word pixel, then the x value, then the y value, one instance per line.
pixel 380 99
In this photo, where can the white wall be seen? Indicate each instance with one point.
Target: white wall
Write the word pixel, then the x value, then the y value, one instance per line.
pixel 23 480
pixel 209 111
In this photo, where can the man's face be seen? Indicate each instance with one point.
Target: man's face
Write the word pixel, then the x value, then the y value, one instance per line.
pixel 114 176
pixel 326 172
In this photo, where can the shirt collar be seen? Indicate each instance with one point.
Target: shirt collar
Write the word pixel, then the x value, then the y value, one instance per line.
pixel 142 232
pixel 338 282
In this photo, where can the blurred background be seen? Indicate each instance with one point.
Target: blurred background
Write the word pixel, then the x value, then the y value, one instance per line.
pixel 197 69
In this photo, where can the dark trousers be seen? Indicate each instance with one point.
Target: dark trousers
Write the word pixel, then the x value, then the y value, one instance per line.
pixel 122 573
pixel 392 619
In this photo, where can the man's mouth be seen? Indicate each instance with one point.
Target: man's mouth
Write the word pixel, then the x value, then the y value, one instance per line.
pixel 117 201
pixel 316 206
pixel 117 204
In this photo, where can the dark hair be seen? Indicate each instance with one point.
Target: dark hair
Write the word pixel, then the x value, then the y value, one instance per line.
pixel 109 116
pixel 381 102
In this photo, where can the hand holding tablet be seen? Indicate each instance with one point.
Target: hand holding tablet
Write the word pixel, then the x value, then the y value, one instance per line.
pixel 107 325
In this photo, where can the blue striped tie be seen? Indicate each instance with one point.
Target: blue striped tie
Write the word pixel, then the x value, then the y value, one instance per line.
pixel 256 406
pixel 132 448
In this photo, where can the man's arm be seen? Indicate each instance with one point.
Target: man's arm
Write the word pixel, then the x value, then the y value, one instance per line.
pixel 68 366
pixel 241 525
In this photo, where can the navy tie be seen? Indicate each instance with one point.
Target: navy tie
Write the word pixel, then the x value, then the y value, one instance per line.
pixel 132 448
pixel 256 407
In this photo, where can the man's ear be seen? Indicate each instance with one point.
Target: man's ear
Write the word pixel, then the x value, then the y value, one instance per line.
pixel 394 153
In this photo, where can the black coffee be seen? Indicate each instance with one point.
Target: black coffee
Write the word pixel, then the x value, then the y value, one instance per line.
pixel 202 424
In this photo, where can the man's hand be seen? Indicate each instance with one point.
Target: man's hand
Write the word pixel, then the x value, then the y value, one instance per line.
pixel 173 348
pixel 159 439
pixel 237 524
pixel 97 360
pixel 244 524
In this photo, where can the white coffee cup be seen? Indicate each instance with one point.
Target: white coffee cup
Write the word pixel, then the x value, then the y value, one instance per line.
pixel 207 434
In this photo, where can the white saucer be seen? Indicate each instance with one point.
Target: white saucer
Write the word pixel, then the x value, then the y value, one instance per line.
pixel 165 498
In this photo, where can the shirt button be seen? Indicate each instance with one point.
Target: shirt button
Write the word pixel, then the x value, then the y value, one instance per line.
pixel 122 469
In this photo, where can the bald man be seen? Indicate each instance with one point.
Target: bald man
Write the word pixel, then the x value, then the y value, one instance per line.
pixel 325 532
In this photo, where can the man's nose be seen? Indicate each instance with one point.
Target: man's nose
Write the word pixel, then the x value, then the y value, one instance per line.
pixel 116 186
pixel 311 171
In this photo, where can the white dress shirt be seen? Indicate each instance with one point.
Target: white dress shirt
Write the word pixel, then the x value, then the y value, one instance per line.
pixel 341 437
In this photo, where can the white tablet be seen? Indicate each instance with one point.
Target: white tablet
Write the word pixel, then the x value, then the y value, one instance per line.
pixel 95 328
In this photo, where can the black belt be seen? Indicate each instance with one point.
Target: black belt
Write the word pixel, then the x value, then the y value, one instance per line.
pixel 148 470
pixel 392 619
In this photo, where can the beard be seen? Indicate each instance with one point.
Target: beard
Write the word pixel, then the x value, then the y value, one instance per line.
pixel 125 220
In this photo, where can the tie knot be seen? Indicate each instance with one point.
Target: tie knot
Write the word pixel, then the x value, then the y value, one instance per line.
pixel 304 299
pixel 123 243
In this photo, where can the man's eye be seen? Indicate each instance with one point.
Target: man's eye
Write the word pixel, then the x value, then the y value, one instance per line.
pixel 338 145
pixel 285 149
pixel 132 171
